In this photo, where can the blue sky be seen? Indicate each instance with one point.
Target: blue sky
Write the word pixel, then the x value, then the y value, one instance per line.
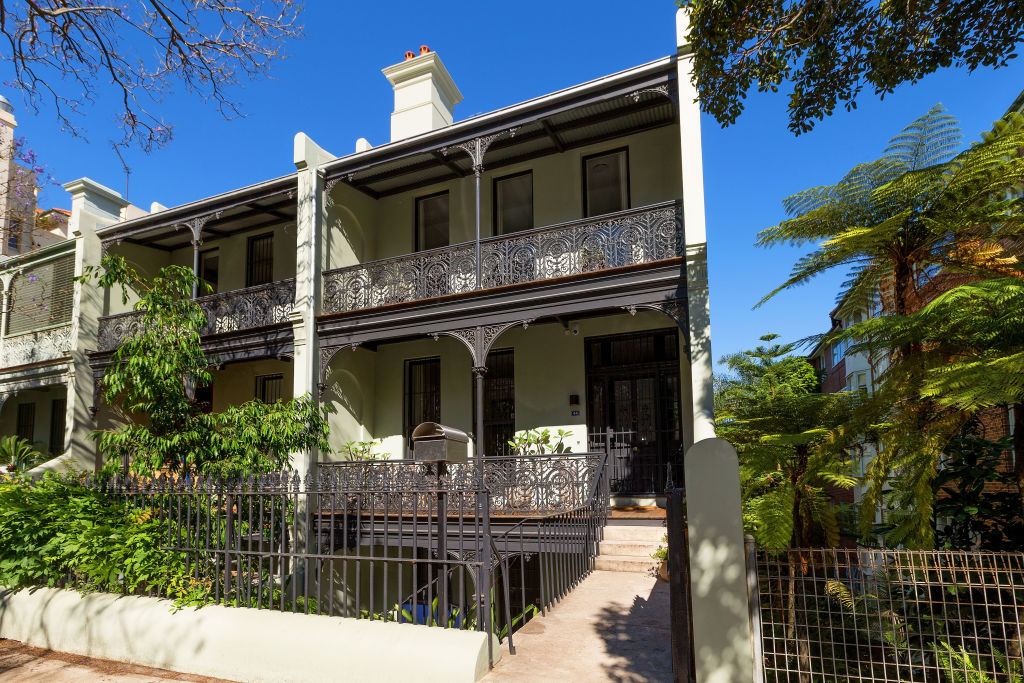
pixel 331 88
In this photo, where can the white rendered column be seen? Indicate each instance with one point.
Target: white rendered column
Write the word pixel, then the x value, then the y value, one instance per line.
pixel 718 588
pixel 310 222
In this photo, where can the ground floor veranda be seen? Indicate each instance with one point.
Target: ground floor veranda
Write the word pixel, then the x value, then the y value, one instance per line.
pixel 628 372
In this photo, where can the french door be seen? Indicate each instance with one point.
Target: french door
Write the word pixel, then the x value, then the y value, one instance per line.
pixel 633 389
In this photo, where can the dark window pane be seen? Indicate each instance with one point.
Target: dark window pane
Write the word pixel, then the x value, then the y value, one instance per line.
pixel 260 267
pixel 204 397
pixel 58 411
pixel 268 388
pixel 14 236
pixel 422 392
pixel 432 222
pixel 604 183
pixel 513 199
pixel 27 421
pixel 209 267
pixel 499 402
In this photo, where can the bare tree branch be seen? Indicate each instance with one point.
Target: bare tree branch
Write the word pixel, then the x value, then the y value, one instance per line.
pixel 72 52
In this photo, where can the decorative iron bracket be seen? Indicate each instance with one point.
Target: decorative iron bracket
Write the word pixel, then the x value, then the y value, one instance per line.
pixel 673 308
pixel 662 89
pixel 327 354
pixel 195 226
pixel 479 340
pixel 477 147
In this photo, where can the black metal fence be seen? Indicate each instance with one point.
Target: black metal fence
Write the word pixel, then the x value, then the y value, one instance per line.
pixel 389 540
pixel 640 467
pixel 683 663
pixel 889 615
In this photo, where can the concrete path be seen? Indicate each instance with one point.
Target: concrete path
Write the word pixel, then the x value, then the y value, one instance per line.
pixel 20 662
pixel 613 627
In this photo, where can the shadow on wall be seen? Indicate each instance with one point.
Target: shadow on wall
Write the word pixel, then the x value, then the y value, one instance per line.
pixel 638 639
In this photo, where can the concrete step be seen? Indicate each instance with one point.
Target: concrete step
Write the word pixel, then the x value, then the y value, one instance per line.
pixel 628 548
pixel 624 563
pixel 623 532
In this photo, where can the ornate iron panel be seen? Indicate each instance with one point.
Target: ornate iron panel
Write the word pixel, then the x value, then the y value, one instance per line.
pixel 36 347
pixel 239 309
pixel 627 238
pixel 515 484
pixel 437 272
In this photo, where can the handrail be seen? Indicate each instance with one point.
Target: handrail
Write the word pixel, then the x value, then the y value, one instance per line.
pixel 522 233
pixel 211 297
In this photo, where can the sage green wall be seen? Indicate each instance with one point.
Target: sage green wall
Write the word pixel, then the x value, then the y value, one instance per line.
pixel 549 366
pixel 233 252
pixel 43 399
pixel 350 396
pixel 235 384
pixel 146 260
pixel 387 224
pixel 349 230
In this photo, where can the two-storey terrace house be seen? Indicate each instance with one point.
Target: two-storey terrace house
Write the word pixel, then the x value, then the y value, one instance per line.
pixel 531 268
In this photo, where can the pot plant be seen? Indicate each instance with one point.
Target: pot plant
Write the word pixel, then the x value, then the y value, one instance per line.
pixel 661 555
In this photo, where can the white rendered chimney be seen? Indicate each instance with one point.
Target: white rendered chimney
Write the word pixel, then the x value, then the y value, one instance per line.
pixel 425 94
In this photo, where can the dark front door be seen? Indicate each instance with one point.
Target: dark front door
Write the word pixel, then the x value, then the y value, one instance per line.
pixel 633 388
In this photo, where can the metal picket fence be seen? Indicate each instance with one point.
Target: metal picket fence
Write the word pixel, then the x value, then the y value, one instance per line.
pixel 388 540
pixel 888 615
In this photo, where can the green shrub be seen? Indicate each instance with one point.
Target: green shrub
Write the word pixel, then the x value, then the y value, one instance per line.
pixel 58 532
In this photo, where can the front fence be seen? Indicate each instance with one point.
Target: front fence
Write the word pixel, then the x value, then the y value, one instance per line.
pixel 390 541
pixel 890 615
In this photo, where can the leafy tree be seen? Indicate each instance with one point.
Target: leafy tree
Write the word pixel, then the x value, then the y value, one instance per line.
pixel 922 211
pixel 972 502
pixel 74 52
pixel 779 421
pixel 154 379
pixel 831 51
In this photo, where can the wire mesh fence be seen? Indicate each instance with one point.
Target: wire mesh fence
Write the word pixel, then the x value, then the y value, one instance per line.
pixel 890 615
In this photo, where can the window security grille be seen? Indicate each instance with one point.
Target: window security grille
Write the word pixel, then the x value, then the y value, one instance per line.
pixel 42 296
pixel 26 428
pixel 432 222
pixel 260 263
pixel 513 203
pixel 268 388
pixel 422 392
pixel 58 412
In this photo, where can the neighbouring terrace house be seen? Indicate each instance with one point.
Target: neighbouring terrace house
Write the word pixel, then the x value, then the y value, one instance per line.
pixel 542 266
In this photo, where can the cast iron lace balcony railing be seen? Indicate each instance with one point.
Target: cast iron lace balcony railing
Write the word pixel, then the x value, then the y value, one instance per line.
pixel 37 346
pixel 239 309
pixel 633 237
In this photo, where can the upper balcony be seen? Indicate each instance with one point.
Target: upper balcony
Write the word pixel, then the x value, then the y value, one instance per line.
pixel 578 182
pixel 240 309
pixel 241 245
pixel 626 238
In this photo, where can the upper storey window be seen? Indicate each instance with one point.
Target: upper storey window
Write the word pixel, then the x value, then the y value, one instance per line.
pixel 260 262
pixel 513 203
pixel 209 269
pixel 432 218
pixel 606 182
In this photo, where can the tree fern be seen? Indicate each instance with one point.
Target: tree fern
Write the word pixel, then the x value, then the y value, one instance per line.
pixel 922 207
